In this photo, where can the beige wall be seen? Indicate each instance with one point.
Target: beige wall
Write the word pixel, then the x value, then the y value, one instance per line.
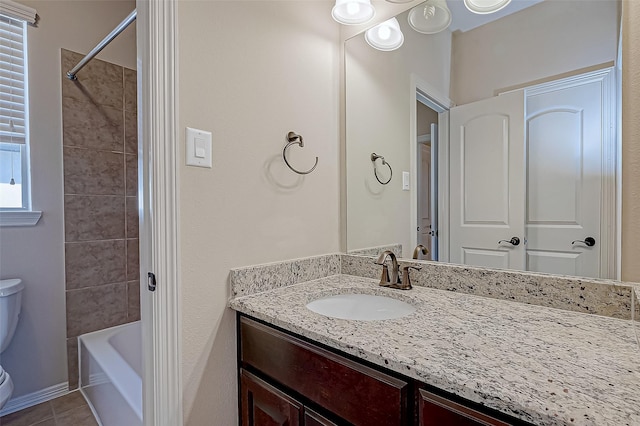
pixel 378 104
pixel 250 72
pixel 547 39
pixel 631 141
pixel 36 358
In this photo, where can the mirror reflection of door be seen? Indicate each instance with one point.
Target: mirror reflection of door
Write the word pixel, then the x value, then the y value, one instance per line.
pixel 568 178
pixel 487 179
pixel 565 155
pixel 426 132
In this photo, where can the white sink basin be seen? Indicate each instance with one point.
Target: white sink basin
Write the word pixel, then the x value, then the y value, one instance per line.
pixel 363 307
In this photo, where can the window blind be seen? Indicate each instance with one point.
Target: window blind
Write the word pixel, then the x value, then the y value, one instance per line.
pixel 12 81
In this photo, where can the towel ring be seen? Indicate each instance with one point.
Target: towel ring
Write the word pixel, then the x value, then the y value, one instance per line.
pixel 374 157
pixel 292 138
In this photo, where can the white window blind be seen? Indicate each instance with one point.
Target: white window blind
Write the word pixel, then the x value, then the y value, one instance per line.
pixel 12 81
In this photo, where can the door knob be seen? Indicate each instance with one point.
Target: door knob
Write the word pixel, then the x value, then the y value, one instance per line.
pixel 589 241
pixel 514 241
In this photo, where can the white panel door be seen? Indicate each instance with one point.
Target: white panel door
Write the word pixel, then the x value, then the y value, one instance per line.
pixel 564 179
pixel 487 182
pixel 424 198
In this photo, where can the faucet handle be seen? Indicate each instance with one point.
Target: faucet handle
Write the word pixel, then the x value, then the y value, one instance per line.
pixel 384 278
pixel 406 281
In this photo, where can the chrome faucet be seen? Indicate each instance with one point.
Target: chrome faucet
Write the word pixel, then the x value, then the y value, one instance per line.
pixel 393 280
pixel 420 249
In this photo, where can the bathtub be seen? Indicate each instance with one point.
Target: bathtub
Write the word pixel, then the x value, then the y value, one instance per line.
pixel 111 374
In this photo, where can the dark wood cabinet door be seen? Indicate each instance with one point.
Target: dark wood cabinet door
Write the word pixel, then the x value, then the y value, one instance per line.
pixel 311 418
pixel 358 394
pixel 264 405
pixel 434 410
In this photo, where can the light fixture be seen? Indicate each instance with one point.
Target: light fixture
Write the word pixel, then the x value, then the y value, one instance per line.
pixel 385 36
pixel 353 12
pixel 485 6
pixel 430 17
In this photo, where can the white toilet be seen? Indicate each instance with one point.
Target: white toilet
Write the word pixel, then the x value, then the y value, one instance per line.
pixel 10 300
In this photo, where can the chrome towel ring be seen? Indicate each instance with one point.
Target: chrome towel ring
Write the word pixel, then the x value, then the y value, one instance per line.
pixel 374 157
pixel 293 138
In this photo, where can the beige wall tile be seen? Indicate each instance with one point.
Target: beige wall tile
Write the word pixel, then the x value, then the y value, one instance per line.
pixel 89 218
pixel 133 299
pixel 133 260
pixel 131 170
pixel 130 132
pixel 99 82
pixel 93 172
pixel 72 362
pixel 132 217
pixel 130 90
pixel 88 264
pixel 96 308
pixel 88 125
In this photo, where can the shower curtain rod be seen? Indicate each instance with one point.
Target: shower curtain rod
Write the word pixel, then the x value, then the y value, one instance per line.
pixel 71 75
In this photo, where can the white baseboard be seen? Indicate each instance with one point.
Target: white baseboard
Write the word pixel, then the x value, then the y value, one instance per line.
pixel 31 399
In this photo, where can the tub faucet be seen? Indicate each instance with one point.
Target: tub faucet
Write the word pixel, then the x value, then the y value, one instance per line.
pixel 420 249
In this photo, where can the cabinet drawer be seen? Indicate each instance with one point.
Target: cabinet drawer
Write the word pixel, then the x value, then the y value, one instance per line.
pixel 358 394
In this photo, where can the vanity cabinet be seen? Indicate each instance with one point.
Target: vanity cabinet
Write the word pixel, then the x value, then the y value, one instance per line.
pixel 285 380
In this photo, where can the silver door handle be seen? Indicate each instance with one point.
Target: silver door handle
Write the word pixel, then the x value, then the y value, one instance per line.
pixel 514 241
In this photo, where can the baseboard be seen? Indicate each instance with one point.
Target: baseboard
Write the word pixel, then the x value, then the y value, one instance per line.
pixel 31 399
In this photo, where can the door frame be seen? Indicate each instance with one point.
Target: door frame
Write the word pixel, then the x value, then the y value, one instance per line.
pixel 435 100
pixel 610 212
pixel 158 211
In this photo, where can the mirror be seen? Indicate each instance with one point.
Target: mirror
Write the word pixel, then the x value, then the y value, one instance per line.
pixel 386 93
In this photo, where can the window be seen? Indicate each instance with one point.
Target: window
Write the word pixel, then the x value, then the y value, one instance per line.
pixel 15 200
pixel 14 173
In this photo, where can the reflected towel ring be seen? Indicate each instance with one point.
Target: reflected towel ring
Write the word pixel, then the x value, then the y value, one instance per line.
pixel 374 157
pixel 292 138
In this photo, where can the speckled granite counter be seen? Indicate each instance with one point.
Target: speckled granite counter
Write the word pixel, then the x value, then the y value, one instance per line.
pixel 542 365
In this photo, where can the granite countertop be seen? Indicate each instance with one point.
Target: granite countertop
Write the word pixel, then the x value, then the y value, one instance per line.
pixel 542 365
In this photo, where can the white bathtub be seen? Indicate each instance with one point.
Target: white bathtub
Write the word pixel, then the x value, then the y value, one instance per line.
pixel 111 374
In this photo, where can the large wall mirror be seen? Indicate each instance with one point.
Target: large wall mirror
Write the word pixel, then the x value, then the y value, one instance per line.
pixel 490 143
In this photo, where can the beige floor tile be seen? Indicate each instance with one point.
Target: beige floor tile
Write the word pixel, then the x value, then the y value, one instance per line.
pixel 28 416
pixel 67 402
pixel 79 416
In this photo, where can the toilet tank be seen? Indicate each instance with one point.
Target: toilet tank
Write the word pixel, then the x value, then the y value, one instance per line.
pixel 10 301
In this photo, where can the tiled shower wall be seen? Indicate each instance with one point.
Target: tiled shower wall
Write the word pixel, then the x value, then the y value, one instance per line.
pixel 99 117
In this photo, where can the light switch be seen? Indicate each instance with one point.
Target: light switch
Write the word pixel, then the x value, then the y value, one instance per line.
pixel 198 148
pixel 405 181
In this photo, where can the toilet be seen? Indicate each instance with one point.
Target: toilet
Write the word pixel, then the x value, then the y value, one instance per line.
pixel 10 300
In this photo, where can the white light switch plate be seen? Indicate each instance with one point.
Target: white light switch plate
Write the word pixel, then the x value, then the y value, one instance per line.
pixel 405 181
pixel 198 148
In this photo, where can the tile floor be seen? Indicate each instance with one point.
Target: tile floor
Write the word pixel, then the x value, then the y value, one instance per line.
pixel 68 410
